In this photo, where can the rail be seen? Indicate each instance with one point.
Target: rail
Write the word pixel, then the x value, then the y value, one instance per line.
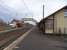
pixel 11 39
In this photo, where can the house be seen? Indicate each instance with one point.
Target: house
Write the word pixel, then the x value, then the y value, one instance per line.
pixel 13 23
pixel 55 22
pixel 16 23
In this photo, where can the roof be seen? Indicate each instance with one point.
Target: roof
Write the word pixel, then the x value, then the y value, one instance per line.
pixel 55 12
pixel 14 20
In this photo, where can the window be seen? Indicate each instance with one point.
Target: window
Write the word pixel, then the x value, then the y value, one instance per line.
pixel 65 12
pixel 49 24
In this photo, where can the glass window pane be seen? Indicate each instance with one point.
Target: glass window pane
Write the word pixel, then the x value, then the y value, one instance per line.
pixel 65 12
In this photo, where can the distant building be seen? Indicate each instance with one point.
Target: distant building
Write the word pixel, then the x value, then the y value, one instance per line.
pixel 29 20
pixel 55 23
pixel 13 23
pixel 16 23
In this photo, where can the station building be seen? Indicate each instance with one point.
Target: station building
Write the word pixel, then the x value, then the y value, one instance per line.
pixel 55 22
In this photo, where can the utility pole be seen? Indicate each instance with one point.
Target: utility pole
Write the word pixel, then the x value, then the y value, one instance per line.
pixel 43 11
pixel 43 21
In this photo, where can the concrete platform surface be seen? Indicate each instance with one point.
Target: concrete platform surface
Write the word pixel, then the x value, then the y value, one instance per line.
pixel 35 40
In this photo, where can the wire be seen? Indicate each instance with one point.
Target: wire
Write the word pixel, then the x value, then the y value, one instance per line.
pixel 27 8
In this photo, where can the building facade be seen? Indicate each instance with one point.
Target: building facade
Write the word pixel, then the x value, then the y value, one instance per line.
pixel 55 23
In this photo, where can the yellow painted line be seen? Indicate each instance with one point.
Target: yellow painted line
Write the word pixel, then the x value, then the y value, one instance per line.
pixel 16 42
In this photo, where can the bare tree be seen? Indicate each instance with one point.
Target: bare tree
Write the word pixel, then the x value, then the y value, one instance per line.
pixel 2 22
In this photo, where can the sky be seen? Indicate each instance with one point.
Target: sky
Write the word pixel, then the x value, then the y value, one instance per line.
pixel 18 9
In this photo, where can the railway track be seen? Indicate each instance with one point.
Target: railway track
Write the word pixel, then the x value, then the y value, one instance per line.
pixel 8 37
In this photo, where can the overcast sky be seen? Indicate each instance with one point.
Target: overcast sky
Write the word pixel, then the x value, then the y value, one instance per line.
pixel 10 9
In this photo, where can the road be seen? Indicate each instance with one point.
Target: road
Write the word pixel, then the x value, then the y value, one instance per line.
pixel 35 40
